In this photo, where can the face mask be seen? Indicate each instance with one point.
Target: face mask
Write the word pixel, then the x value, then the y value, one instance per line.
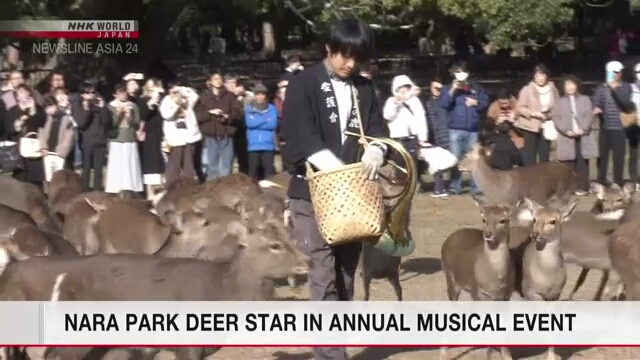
pixel 461 76
pixel 638 76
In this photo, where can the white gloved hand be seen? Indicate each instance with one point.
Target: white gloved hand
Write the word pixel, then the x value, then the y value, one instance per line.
pixel 372 161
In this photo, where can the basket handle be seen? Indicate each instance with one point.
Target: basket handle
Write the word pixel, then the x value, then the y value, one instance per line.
pixel 356 104
pixel 29 134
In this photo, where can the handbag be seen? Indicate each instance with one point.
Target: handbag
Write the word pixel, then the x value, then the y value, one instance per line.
pixel 628 119
pixel 30 146
pixel 549 130
pixel 9 156
pixel 439 159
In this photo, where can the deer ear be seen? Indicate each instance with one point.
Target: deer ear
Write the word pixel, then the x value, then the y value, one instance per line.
pixel 598 189
pixel 532 205
pixel 568 211
pixel 479 202
pixel 629 189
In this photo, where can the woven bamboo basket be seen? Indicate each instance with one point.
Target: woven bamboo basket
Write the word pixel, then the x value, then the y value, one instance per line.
pixel 347 207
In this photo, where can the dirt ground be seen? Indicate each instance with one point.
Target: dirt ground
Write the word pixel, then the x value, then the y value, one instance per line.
pixel 422 279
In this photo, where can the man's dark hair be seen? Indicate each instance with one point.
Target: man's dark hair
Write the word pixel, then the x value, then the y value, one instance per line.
pixel 460 65
pixel 56 72
pixel 293 58
pixel 437 79
pixel 120 87
pixel 174 83
pixel 49 101
pixel 351 38
pixel 59 89
pixel 503 94
pixel 26 88
pixel 574 79
pixel 541 68
pixel 88 86
pixel 231 76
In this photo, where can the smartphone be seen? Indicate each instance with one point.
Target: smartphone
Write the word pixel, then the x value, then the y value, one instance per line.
pixel 609 75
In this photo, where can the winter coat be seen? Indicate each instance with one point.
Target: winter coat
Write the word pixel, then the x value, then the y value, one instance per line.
pixel 529 102
pixel 261 127
pixel 459 115
pixel 405 118
pixel 563 120
pixel 174 133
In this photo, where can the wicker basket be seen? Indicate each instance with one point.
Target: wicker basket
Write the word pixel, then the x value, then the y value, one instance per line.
pixel 347 208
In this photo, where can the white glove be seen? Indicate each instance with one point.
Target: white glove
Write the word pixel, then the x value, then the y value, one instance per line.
pixel 372 160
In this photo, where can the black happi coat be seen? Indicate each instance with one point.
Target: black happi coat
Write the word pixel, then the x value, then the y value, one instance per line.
pixel 307 127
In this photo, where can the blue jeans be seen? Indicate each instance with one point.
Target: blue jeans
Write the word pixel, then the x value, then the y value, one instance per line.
pixel 460 142
pixel 220 156
pixel 77 156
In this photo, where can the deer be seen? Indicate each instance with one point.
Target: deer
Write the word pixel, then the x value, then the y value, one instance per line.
pixel 624 251
pixel 479 261
pixel 539 261
pixel 541 182
pixel 585 236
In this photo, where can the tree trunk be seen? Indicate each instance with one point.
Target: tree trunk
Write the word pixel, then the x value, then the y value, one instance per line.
pixel 268 40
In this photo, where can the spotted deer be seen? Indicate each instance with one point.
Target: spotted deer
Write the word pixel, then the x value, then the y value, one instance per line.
pixel 541 267
pixel 479 261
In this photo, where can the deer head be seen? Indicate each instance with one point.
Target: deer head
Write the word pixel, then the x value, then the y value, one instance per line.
pixel 495 221
pixel 611 202
pixel 547 220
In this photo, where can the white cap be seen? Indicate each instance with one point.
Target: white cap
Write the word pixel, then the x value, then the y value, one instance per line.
pixel 637 67
pixel 615 66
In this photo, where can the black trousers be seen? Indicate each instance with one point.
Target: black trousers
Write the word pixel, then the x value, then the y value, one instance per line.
pixel 333 268
pixel 93 157
pixel 633 137
pixel 240 149
pixel 261 160
pixel 536 148
pixel 580 166
pixel 612 142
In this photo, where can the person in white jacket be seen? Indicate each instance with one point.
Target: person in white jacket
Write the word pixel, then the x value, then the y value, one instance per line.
pixel 181 131
pixel 405 116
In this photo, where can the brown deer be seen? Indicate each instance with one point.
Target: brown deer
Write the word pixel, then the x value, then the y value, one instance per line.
pixel 479 261
pixel 539 182
pixel 586 236
pixel 540 263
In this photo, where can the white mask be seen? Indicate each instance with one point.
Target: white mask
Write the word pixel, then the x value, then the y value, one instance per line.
pixel 461 75
pixel 638 76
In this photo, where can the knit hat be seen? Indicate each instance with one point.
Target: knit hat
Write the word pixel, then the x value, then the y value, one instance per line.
pixel 259 89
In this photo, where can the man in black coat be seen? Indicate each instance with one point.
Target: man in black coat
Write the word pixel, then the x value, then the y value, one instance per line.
pixel 318 108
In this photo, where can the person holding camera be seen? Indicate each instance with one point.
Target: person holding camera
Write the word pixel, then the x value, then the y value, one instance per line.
pixel 181 131
pixel 93 121
pixel 464 101
pixel 219 114
pixel 22 119
pixel 123 164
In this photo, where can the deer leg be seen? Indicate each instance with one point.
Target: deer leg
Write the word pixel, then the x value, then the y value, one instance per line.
pixel 395 282
pixel 443 353
pixel 603 284
pixel 505 353
pixel 581 278
pixel 366 281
